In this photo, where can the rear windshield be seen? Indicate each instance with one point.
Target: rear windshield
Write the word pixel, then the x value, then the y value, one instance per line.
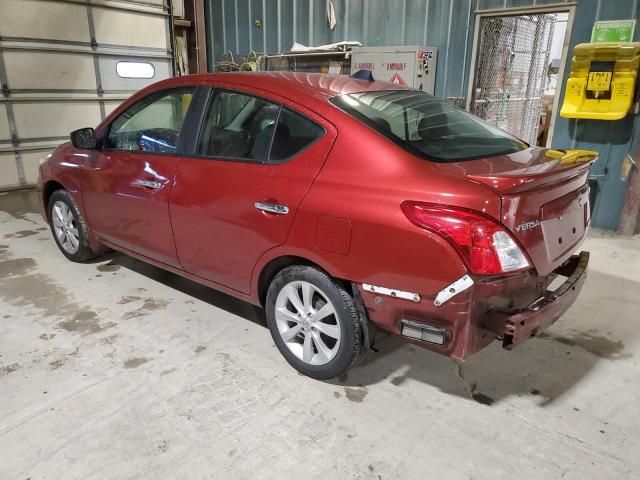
pixel 427 126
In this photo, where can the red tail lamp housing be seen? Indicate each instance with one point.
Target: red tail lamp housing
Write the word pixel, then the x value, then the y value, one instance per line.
pixel 486 247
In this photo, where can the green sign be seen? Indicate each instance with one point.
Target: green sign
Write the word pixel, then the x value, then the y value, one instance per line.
pixel 613 31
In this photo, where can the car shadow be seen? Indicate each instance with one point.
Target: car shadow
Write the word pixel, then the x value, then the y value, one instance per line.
pixel 542 367
pixel 188 287
pixel 545 367
pixel 599 328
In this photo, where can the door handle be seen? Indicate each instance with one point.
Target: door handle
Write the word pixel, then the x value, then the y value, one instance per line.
pixel 272 208
pixel 148 184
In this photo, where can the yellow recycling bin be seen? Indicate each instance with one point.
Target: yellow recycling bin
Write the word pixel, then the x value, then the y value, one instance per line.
pixel 602 81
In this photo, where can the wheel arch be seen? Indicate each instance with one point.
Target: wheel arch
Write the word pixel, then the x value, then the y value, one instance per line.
pixel 47 190
pixel 278 263
pixel 69 185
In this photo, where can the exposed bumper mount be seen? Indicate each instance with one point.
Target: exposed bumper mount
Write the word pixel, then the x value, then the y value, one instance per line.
pixel 548 308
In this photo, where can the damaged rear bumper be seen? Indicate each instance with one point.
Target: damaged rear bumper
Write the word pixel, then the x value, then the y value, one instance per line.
pixel 512 308
pixel 543 312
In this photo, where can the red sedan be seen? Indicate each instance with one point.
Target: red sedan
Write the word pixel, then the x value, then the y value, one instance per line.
pixel 339 204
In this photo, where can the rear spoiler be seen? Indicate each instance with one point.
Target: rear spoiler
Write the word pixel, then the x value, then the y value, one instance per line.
pixel 568 157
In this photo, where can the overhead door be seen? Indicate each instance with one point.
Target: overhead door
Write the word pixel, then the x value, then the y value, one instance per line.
pixel 66 64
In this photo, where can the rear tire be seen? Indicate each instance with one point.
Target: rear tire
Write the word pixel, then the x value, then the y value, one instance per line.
pixel 313 322
pixel 69 228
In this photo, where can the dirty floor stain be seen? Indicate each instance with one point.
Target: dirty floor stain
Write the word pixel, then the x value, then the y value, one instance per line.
pixel 163 446
pixel 128 299
pixel 21 234
pixel 59 362
pixel 154 304
pixel 149 305
pixel 85 322
pixel 135 362
pixel 591 342
pixel 21 287
pixel 110 340
pixel 16 266
pixel 56 364
pixel 7 369
pixel 355 394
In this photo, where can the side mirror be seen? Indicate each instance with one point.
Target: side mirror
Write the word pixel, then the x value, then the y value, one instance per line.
pixel 84 138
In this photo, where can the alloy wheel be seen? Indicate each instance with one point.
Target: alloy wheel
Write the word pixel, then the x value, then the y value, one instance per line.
pixel 65 227
pixel 308 322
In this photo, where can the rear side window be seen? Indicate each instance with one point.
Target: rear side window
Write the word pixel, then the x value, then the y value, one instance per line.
pixel 238 126
pixel 293 134
pixel 153 124
pixel 244 127
pixel 427 126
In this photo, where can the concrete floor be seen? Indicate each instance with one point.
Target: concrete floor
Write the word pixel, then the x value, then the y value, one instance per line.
pixel 117 369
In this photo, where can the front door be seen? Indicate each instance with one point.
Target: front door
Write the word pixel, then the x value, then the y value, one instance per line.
pixel 128 182
pixel 237 197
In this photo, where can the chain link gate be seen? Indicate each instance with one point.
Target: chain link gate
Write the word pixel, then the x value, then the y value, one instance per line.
pixel 511 72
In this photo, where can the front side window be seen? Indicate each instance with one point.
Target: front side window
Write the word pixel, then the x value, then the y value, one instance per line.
pixel 153 124
pixel 427 126
pixel 238 126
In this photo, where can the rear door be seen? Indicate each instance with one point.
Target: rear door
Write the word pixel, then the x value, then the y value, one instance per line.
pixel 128 182
pixel 236 196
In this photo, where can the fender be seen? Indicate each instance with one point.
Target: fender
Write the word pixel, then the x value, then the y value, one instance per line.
pixel 65 168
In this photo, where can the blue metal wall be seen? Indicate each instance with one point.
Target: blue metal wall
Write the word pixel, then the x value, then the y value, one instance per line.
pixel 445 24
pixel 614 139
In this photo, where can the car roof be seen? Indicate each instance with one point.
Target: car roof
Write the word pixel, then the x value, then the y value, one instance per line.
pixel 316 84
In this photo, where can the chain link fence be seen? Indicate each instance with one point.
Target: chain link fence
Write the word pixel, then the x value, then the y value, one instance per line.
pixel 511 73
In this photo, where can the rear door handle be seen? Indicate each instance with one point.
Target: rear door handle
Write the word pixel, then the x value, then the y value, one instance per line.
pixel 148 184
pixel 272 208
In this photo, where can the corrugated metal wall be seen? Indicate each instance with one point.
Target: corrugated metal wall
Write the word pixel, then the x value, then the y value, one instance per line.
pixel 439 23
pixel 445 24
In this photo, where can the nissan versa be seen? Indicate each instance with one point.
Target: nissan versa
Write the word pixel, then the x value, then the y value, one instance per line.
pixel 335 202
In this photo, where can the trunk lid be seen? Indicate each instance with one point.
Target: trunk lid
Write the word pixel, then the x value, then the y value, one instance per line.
pixel 545 198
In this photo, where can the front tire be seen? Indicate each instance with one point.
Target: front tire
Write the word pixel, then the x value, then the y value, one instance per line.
pixel 313 322
pixel 69 227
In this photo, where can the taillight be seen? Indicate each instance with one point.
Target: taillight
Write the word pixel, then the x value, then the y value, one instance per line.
pixel 485 246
